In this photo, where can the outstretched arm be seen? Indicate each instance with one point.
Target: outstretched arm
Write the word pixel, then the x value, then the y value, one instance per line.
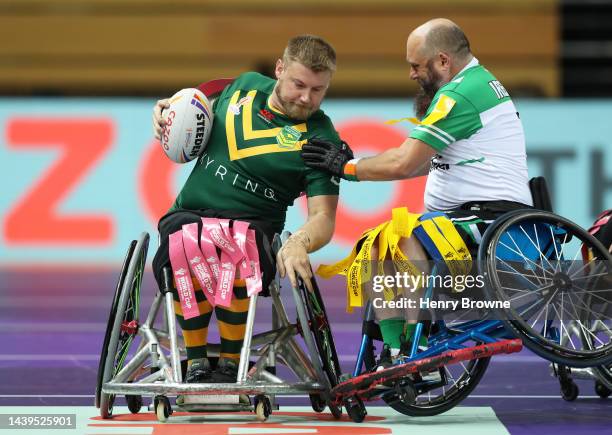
pixel 410 159
pixel 317 231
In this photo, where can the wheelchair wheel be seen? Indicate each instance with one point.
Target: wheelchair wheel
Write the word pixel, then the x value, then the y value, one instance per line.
pixel 323 338
pixel 555 276
pixel 457 382
pixel 122 325
pixel 604 375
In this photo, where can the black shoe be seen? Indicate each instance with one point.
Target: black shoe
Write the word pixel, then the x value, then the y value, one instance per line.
pixel 226 372
pixel 384 360
pixel 198 372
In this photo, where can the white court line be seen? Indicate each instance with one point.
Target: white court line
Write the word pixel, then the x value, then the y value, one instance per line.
pixel 473 396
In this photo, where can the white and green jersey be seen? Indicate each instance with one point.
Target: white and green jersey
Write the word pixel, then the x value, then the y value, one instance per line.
pixel 476 130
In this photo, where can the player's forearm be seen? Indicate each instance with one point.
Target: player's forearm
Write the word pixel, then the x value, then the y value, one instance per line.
pixel 317 231
pixel 390 165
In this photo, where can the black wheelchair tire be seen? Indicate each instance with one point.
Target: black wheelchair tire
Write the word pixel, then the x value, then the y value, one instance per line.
pixel 604 375
pixel 133 266
pixel 323 337
pixel 511 320
pixel 111 321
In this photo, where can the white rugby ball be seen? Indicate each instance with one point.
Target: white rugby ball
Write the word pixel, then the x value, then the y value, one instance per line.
pixel 189 121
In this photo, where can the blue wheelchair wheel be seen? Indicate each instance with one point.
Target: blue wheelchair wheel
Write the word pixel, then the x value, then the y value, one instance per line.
pixel 555 277
pixel 122 323
pixel 458 382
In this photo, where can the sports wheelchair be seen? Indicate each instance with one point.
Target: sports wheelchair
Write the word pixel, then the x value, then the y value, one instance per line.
pixel 555 277
pixel 602 375
pixel 143 358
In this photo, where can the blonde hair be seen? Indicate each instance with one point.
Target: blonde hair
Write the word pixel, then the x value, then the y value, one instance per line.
pixel 311 51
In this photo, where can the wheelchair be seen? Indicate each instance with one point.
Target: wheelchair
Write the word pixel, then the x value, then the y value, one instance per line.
pixel 551 273
pixel 602 375
pixel 144 358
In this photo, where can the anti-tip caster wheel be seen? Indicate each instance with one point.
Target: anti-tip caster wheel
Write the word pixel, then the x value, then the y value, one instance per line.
pixel 601 390
pixel 263 408
pixel 355 409
pixel 569 391
pixel 163 410
pixel 336 410
pixel 134 402
pixel 317 402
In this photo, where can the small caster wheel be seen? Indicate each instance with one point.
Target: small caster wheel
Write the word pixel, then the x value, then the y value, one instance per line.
pixel 163 410
pixel 317 402
pixel 134 402
pixel 405 392
pixel 336 410
pixel 569 391
pixel 355 409
pixel 601 390
pixel 263 408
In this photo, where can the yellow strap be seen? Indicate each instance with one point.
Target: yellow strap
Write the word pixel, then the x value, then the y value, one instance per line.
pixel 385 238
pixel 360 270
pixel 395 121
pixel 404 222
pixel 442 108
pixel 452 235
pixel 452 248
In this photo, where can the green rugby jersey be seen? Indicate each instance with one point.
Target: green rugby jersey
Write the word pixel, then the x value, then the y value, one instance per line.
pixel 475 128
pixel 252 162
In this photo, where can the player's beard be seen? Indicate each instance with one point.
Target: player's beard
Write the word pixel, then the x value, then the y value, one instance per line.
pixel 293 110
pixel 425 95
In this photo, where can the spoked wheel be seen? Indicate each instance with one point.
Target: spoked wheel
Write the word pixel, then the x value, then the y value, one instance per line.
pixel 418 398
pixel 324 341
pixel 122 325
pixel 556 278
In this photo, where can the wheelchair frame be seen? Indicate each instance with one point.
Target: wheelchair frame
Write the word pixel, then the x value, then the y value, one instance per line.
pixel 483 330
pixel 277 345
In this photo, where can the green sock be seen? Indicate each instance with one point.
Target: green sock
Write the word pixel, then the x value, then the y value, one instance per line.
pixel 409 331
pixel 391 329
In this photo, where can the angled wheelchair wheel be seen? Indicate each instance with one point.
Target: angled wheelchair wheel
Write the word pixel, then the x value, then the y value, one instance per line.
pixel 604 376
pixel 324 340
pixel 556 279
pixel 430 398
pixel 122 325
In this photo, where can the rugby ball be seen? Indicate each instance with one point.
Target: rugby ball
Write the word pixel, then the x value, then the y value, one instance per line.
pixel 189 121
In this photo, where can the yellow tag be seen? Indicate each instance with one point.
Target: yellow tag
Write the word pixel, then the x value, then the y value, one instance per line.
pixel 442 108
pixel 404 222
pixel 395 121
pixel 450 244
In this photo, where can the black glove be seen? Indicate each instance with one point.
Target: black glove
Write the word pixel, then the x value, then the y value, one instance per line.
pixel 326 156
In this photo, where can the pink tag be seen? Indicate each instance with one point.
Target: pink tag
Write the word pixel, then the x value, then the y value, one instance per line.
pixel 197 262
pixel 225 285
pixel 210 252
pixel 240 233
pixel 182 277
pixel 217 235
pixel 254 282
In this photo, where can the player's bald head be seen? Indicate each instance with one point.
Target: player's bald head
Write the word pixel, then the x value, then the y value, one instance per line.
pixel 439 35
